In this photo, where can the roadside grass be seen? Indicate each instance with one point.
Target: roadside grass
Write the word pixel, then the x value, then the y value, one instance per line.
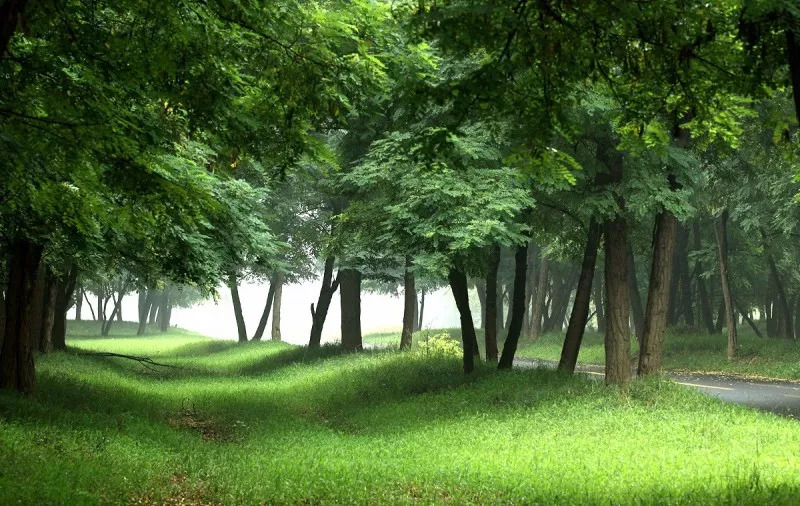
pixel 272 423
pixel 684 352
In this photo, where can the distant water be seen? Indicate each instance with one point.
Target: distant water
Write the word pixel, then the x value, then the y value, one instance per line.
pixel 379 312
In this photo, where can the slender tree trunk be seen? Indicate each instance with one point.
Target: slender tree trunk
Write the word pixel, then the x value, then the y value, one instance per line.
pixel 262 323
pixel 237 308
pixel 101 310
pixel 421 309
pixel 165 312
pixel 65 292
pixel 319 313
pixel 89 303
pixel 785 310
pixel 722 250
pixel 580 308
pixel 157 298
pixel 617 340
pixel 749 320
pixel 78 303
pixel 458 285
pixel 106 328
pixel 517 308
pixel 276 307
pixel 409 306
pixel 16 356
pixel 636 300
pixel 490 321
pixel 416 311
pixel 651 350
pixel 350 298
pixel 145 302
pixel 705 300
pixel 48 314
pixel 480 289
pixel 538 300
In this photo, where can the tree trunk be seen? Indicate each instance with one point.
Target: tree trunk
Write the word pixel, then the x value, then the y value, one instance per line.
pixel 421 309
pixel 101 310
pixel 89 303
pixel 685 279
pixel 262 323
pixel 157 298
pixel 722 250
pixel 37 306
pixel 10 13
pixel 517 308
pixel 672 306
pixel 165 312
pixel 538 300
pixel 490 321
pixel 636 299
pixel 350 298
pixel 651 351
pixel 237 308
pixel 16 356
pixel 276 307
pixel 319 313
pixel 458 285
pixel 66 289
pixel 409 306
pixel 48 313
pixel 78 303
pixel 749 320
pixel 106 328
pixel 617 340
pixel 480 289
pixel 145 302
pixel 793 51
pixel 705 299
pixel 580 308
pixel 785 310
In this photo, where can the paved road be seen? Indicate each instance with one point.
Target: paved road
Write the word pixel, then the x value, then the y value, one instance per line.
pixel 779 397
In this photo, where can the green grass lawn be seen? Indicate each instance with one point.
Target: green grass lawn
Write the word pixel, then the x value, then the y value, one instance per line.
pixel 757 357
pixel 273 423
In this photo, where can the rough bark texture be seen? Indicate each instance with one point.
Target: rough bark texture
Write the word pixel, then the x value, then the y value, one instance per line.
pixel 490 322
pixel 636 300
pixel 617 340
pixel 722 251
pixel 276 308
pixel 320 312
pixel 706 314
pixel 580 308
pixel 262 323
pixel 517 308
pixel 458 285
pixel 651 349
pixel 241 329
pixel 538 300
pixel 350 298
pixel 409 306
pixel 16 356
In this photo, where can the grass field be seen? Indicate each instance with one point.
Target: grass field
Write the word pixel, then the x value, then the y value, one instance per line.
pixel 756 358
pixel 269 423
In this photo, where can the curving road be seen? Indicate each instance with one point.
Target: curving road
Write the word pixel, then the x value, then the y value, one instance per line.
pixel 779 397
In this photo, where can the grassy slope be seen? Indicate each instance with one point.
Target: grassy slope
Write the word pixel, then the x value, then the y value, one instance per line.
pixel 765 358
pixel 267 422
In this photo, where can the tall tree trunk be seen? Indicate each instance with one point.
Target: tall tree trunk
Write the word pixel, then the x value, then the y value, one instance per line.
pixel 106 328
pixel 48 314
pixel 490 321
pixel 157 298
pixel 276 307
pixel 78 303
pixel 636 299
pixel 89 303
pixel 749 320
pixel 421 309
pixel 517 308
pixel 458 285
pixel 165 312
pixel 785 310
pixel 262 323
pixel 409 306
pixel 145 302
pixel 350 298
pixel 651 351
pixel 617 340
pixel 37 306
pixel 580 308
pixel 16 356
pixel 65 291
pixel 600 312
pixel 722 250
pixel 319 313
pixel 705 299
pixel 538 300
pixel 480 289
pixel 233 284
pixel 101 311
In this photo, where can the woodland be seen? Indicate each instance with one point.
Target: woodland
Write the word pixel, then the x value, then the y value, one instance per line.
pixel 607 182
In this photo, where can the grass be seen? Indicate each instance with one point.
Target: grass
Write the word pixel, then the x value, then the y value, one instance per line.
pixel 685 352
pixel 272 423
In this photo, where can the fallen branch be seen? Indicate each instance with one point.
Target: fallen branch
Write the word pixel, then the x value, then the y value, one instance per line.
pixel 146 361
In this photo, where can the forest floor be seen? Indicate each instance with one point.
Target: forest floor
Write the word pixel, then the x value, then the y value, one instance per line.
pixel 757 358
pixel 274 423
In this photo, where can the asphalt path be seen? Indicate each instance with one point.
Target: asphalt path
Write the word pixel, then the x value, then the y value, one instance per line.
pixel 779 397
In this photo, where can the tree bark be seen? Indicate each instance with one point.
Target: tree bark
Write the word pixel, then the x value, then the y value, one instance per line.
pixel 165 312
pixel 350 299
pixel 145 302
pixel 617 340
pixel 721 230
pixel 705 299
pixel 458 285
pixel 538 300
pixel 580 308
pixel 490 321
pixel 276 307
pixel 237 308
pixel 517 308
pixel 37 306
pixel 16 356
pixel 48 313
pixel 262 323
pixel 319 313
pixel 409 306
pixel 651 350
pixel 636 300
pixel 78 303
pixel 66 289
